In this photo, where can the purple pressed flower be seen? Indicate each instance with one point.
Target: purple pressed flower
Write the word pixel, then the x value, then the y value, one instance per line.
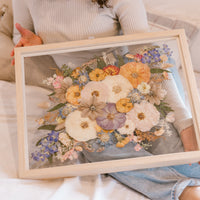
pixel 146 58
pixel 111 118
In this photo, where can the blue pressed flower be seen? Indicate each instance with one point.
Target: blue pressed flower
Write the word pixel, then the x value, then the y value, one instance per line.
pixel 61 113
pixel 83 78
pixel 135 96
pixel 167 51
pixel 53 136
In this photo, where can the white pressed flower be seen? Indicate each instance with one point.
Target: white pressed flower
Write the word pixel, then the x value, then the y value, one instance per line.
pixel 97 89
pixel 109 59
pixel 144 88
pixel 55 75
pixel 118 87
pixel 68 81
pixel 144 116
pixel 170 117
pixel 64 138
pixel 164 58
pixel 81 129
pixel 71 65
pixel 159 132
pixel 128 128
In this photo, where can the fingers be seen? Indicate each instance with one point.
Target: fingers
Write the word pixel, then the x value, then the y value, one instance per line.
pixel 20 29
pixel 13 62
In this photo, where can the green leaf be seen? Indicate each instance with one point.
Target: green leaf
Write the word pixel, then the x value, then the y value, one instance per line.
pixel 51 94
pixel 50 159
pixel 67 71
pixel 120 60
pixel 47 127
pixel 60 105
pixel 39 141
pixel 158 70
pixel 163 108
pixel 101 63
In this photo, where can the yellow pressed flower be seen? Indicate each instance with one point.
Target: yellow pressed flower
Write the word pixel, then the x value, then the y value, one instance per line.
pixel 124 105
pixel 97 75
pixel 73 95
pixel 75 72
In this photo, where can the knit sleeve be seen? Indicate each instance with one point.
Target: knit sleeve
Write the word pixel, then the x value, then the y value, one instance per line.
pixel 131 15
pixel 22 16
pixel 182 116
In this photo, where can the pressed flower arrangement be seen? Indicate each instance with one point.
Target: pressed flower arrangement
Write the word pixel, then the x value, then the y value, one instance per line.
pixel 106 101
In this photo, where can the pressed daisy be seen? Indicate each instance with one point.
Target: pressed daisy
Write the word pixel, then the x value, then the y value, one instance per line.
pixel 136 73
pixel 111 118
pixel 128 128
pixel 97 75
pixel 144 88
pixel 111 70
pixel 97 89
pixel 79 128
pixel 118 87
pixel 73 95
pixel 164 58
pixel 124 105
pixel 91 108
pixel 144 116
pixel 156 94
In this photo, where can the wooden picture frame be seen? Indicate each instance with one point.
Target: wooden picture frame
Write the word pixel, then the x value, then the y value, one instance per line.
pixel 111 165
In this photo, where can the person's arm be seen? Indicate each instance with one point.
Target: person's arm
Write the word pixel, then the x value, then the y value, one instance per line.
pixel 183 120
pixel 131 15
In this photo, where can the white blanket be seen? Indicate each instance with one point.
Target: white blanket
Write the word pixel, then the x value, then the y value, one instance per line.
pixel 98 187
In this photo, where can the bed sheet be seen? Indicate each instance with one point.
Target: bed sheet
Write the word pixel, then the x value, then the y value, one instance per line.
pixel 96 187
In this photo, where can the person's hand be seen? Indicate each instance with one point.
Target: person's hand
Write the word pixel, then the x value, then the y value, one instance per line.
pixel 188 138
pixel 28 38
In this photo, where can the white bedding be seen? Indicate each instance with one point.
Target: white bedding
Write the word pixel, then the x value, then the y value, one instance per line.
pixel 98 187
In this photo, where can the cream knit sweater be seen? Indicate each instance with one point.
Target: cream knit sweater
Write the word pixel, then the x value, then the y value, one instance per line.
pixel 67 20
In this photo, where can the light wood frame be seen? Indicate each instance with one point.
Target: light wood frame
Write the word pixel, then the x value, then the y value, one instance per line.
pixel 114 165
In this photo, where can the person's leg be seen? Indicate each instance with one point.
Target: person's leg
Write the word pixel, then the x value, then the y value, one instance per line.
pixel 158 183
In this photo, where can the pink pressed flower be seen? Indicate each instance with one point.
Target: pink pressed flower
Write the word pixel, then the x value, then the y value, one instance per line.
pixel 137 147
pixel 57 82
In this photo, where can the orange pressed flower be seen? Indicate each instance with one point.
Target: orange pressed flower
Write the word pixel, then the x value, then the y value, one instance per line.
pixel 97 75
pixel 136 73
pixel 111 70
pixel 73 95
pixel 124 105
